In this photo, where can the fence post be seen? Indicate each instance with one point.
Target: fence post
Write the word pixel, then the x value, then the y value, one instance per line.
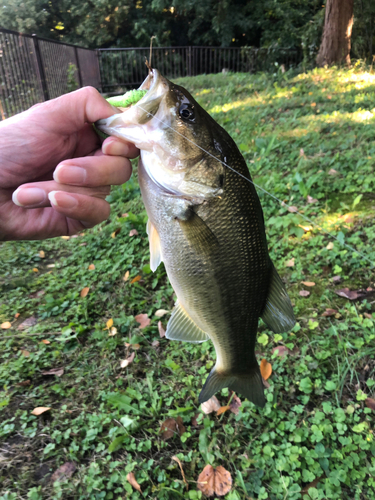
pixel 189 56
pixel 78 67
pixel 40 68
pixel 98 55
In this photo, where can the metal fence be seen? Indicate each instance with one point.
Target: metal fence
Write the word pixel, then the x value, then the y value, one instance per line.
pixel 125 67
pixel 34 69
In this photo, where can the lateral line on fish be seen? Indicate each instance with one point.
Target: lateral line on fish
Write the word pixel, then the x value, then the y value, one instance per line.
pixel 346 245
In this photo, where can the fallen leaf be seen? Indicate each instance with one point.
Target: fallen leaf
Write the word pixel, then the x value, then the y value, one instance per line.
pixel 17 315
pixel 194 421
pixel 330 246
pixel 65 237
pixel 336 279
pixel 312 484
pixel 143 320
pixel 155 343
pixel 126 276
pixel 265 369
pixel 42 254
pixel 134 280
pixel 160 313
pixel 168 429
pixel 131 478
pixel 332 171
pixel 135 346
pixel 367 315
pixel 24 383
pixel 235 404
pixel 211 405
pixel 161 329
pixel 313 104
pixel 125 215
pixel 304 293
pixel 370 403
pixel 301 152
pixel 59 372
pixel 35 270
pixel 310 199
pixel 6 325
pixel 112 332
pixel 290 262
pixel 45 341
pixel 133 232
pixel 308 283
pixel 292 209
pixel 222 409
pixel 214 481
pixel 349 294
pixel 85 291
pixel 115 233
pixel 126 362
pixel 64 472
pixel 176 459
pixel 180 426
pixel 29 322
pixel 25 353
pixel 91 267
pixel 37 294
pixel 329 312
pixel 39 410
pixel 108 324
pixel 281 351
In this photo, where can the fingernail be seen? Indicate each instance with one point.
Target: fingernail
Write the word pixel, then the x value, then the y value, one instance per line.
pixel 26 197
pixel 62 200
pixel 115 148
pixel 65 174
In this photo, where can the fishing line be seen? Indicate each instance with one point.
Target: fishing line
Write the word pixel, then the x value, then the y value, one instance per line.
pixel 264 190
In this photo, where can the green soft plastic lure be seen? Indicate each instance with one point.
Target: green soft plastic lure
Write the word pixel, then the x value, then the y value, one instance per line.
pixel 123 101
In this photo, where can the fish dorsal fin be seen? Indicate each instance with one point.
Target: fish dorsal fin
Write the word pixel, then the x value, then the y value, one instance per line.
pixel 155 247
pixel 182 327
pixel 278 311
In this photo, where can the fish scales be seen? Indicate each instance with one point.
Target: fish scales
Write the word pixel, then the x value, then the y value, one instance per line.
pixel 206 224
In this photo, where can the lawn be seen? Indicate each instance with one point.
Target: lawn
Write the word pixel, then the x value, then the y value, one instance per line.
pixel 309 141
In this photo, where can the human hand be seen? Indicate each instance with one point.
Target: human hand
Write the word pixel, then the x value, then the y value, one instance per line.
pixel 53 165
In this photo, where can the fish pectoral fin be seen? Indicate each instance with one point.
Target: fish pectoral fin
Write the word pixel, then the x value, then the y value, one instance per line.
pixel 278 312
pixel 198 234
pixel 182 327
pixel 249 385
pixel 155 246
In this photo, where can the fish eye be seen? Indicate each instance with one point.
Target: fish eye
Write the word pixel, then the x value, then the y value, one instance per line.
pixel 187 112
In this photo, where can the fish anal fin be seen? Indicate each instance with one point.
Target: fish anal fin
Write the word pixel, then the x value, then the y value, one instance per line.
pixel 278 312
pixel 182 327
pixel 249 385
pixel 155 246
pixel 198 234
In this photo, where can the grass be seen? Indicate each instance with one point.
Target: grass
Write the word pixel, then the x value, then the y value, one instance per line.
pixel 314 438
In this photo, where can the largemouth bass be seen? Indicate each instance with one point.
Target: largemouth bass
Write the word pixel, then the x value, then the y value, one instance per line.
pixel 206 224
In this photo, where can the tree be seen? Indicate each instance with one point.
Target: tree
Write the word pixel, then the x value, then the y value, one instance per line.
pixel 338 23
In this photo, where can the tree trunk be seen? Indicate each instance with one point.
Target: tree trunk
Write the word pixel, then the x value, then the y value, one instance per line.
pixel 338 23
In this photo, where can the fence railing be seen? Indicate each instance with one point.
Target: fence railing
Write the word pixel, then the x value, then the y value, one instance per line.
pixel 34 69
pixel 125 67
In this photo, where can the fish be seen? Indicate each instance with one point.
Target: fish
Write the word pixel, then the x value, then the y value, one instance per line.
pixel 205 222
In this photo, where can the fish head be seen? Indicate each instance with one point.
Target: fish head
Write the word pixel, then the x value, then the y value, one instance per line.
pixel 181 145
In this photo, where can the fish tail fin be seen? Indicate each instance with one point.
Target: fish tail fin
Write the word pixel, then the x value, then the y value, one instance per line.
pixel 248 384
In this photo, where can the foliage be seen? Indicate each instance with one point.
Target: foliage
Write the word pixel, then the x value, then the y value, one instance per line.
pixel 307 135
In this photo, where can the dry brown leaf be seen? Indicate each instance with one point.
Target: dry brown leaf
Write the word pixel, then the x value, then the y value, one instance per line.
pixel 17 315
pixel 214 481
pixel 45 341
pixel 126 362
pixel 91 267
pixel 308 283
pixel 370 403
pixel 135 346
pixel 35 270
pixel 137 278
pixel 109 324
pixel 222 409
pixel 39 410
pixel 125 215
pixel 304 293
pixel 85 291
pixel 133 232
pixel 115 233
pixel 367 315
pixel 42 254
pixel 168 429
pixel 65 237
pixel 131 478
pixel 310 199
pixel 59 372
pixel 112 331
pixel 24 383
pixel 211 405
pixel 290 262
pixel 330 246
pixel 350 294
pixel 336 279
pixel 265 369
pixel 235 404
pixel 29 322
pixel 329 312
pixel 180 426
pixel 292 209
pixel 155 343
pixel 25 353
pixel 312 484
pixel 143 320
pixel 64 472
pixel 161 329
pixel 160 313
pixel 281 351
pixel 176 459
pixel 332 171
pixel 194 421
pixel 6 325
pixel 126 276
pixel 301 152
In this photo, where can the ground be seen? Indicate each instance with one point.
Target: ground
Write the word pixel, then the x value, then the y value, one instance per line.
pixel 308 139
